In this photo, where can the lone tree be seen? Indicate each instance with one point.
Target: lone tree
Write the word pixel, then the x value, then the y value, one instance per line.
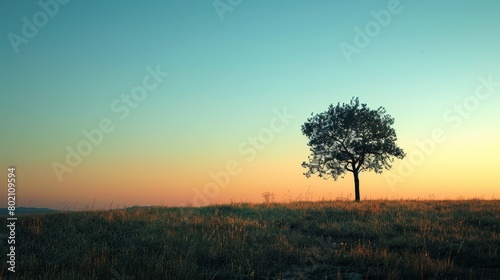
pixel 350 137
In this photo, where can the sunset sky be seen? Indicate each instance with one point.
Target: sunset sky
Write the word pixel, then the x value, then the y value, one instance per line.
pixel 156 102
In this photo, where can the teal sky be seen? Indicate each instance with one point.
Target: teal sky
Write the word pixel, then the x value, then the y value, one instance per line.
pixel 227 76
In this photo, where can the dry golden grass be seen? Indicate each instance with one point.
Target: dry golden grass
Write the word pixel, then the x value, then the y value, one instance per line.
pixel 298 240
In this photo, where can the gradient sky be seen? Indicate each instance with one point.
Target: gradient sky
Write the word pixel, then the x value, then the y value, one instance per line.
pixel 230 71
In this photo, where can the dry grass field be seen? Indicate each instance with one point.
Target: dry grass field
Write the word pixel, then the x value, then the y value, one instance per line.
pixel 298 240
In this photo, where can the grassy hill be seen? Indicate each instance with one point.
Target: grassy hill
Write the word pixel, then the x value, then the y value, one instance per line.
pixel 300 240
pixel 27 210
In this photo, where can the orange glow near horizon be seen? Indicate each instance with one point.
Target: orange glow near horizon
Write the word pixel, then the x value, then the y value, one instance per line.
pixel 112 184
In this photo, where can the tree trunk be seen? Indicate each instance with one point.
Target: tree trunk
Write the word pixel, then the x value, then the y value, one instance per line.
pixel 356 185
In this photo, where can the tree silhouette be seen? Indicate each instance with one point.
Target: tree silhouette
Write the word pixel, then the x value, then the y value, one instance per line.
pixel 350 137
